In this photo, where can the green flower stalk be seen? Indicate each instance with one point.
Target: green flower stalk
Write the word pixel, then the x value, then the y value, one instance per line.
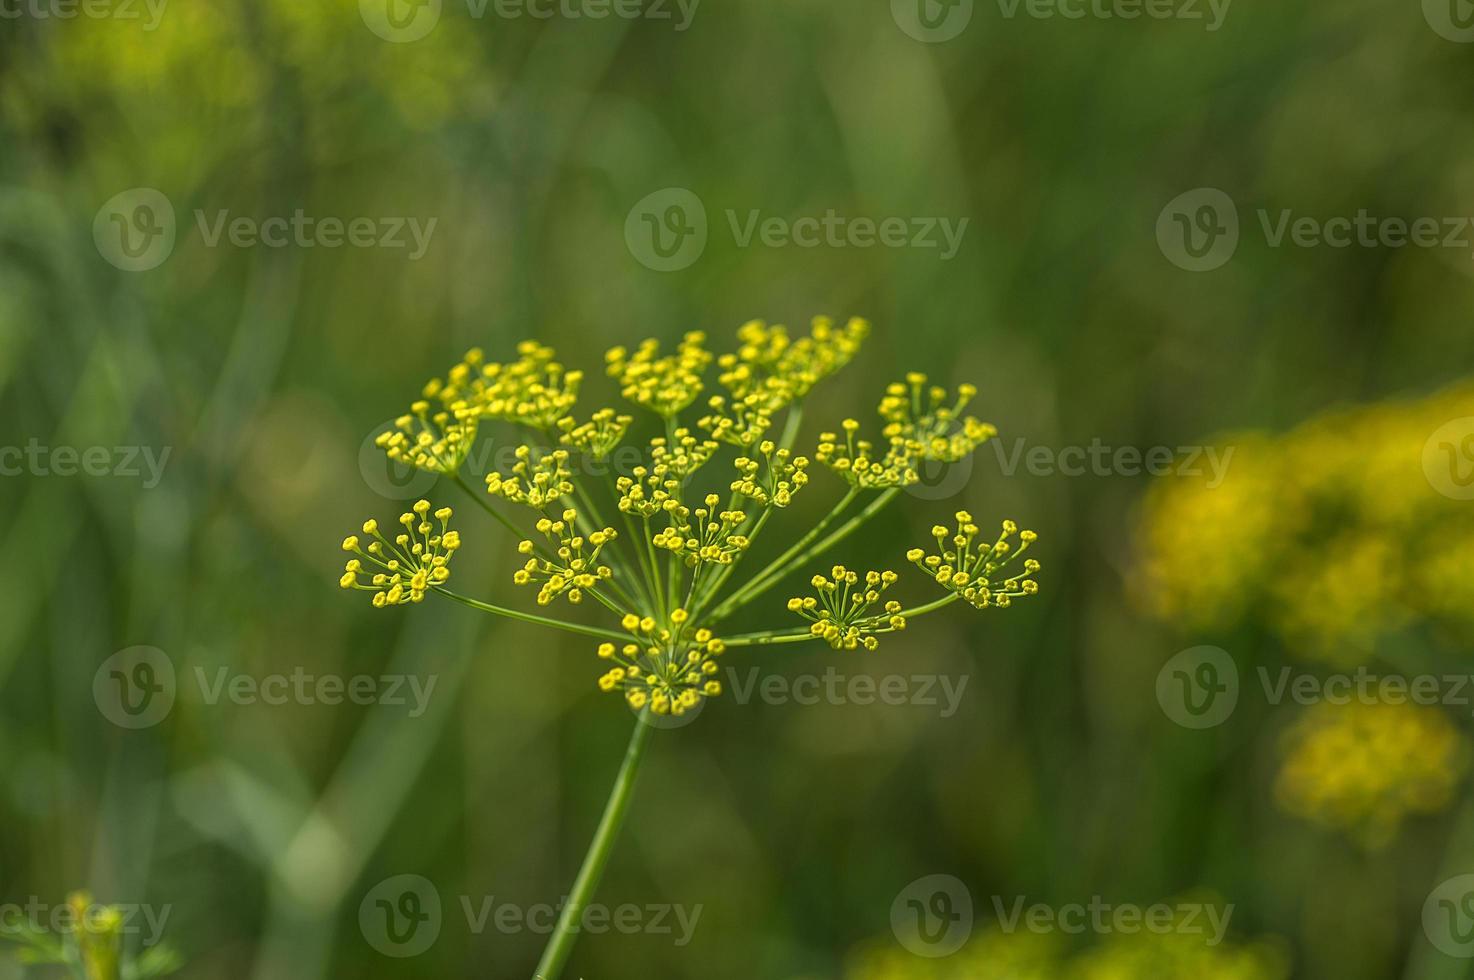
pixel 666 578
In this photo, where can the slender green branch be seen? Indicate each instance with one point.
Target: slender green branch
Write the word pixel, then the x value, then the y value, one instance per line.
pixel 480 498
pixel 767 638
pixel 560 946
pixel 775 568
pixel 532 618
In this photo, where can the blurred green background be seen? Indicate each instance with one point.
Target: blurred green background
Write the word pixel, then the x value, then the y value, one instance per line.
pixel 265 371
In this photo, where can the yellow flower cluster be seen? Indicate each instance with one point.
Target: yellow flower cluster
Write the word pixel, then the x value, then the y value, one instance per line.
pixel 668 668
pixel 664 385
pixel 973 573
pixel 537 480
pixel 1180 954
pixel 841 614
pixel 437 441
pixel 770 371
pixel 570 571
pixel 920 424
pixel 440 428
pixel 1171 954
pixel 704 536
pixel 775 480
pixel 598 436
pixel 918 415
pixel 417 560
pixel 671 464
pixel 1363 767
pixel 680 457
pixel 534 390
pixel 855 461
pixel 1332 529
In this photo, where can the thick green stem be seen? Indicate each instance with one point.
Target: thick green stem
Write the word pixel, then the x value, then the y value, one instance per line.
pixel 560 946
pixel 531 618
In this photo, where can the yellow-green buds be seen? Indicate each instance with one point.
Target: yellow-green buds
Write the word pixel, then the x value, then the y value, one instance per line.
pixel 976 572
pixel 664 385
pixel 569 566
pixel 841 613
pixel 415 561
pixel 667 668
pixel 537 480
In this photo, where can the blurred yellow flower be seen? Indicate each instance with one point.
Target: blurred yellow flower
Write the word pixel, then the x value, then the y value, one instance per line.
pixel 1334 530
pixel 1365 767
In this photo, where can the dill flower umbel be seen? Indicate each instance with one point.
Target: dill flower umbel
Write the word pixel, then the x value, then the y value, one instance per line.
pixel 667 668
pixel 971 571
pixel 664 385
pixel 665 577
pixel 841 614
pixel 571 569
pixel 537 480
pixel 681 542
pixel 405 569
